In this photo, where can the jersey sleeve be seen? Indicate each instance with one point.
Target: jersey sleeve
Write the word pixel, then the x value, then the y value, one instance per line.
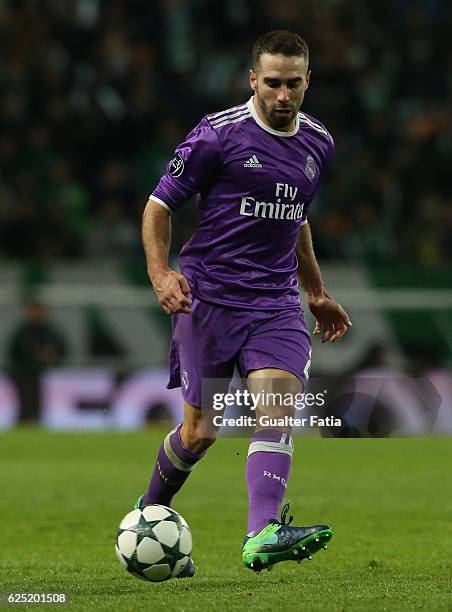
pixel 330 152
pixel 326 161
pixel 192 168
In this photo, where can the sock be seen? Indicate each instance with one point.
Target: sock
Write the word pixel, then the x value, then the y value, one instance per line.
pixel 173 467
pixel 267 475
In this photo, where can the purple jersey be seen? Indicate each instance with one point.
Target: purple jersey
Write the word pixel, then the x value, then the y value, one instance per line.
pixel 254 186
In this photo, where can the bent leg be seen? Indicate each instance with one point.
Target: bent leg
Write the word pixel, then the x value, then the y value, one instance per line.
pixel 181 450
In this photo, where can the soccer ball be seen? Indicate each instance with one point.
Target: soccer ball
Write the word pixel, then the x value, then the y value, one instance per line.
pixel 153 543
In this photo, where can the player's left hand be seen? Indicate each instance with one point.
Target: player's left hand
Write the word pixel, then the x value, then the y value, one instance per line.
pixel 329 313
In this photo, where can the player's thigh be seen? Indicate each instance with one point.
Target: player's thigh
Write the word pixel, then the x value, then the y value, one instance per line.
pixel 203 351
pixel 281 342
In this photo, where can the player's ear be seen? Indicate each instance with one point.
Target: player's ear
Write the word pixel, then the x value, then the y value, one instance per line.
pixel 253 80
pixel 308 76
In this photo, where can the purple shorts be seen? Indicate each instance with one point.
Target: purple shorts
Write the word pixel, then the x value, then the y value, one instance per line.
pixel 211 341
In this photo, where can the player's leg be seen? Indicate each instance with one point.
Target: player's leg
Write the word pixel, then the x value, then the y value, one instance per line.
pixel 276 359
pixel 199 352
pixel 271 448
pixel 181 450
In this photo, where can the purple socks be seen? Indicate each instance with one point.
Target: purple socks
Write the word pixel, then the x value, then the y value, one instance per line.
pixel 173 467
pixel 267 475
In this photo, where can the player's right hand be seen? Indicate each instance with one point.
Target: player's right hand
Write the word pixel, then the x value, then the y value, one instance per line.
pixel 172 291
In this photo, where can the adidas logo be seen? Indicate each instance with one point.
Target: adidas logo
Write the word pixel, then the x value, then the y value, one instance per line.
pixel 252 162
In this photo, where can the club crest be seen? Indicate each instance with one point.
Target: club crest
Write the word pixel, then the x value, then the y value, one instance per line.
pixel 311 167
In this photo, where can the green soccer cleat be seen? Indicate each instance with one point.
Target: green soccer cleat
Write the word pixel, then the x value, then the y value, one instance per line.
pixel 278 541
pixel 139 503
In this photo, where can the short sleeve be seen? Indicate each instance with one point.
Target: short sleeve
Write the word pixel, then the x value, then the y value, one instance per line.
pixel 192 168
pixel 330 152
pixel 304 216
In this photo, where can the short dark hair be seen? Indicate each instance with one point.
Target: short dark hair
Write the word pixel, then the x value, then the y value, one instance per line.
pixel 279 41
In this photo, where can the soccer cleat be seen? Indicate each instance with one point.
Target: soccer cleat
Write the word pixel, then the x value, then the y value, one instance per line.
pixel 139 503
pixel 278 541
pixel 189 569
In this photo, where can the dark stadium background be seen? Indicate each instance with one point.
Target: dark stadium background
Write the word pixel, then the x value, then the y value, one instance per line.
pixel 95 95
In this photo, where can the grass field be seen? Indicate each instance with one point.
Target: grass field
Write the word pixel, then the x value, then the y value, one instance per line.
pixel 389 501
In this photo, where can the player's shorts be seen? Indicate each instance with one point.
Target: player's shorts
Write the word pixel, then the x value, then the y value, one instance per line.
pixel 212 340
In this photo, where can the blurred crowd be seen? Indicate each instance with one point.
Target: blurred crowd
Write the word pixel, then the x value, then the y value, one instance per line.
pixel 95 95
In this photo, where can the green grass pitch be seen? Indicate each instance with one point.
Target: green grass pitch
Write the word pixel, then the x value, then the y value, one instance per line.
pixel 62 496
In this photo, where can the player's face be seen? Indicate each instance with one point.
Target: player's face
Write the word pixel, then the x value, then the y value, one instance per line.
pixel 279 83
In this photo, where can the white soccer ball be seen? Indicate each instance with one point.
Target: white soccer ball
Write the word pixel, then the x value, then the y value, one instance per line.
pixel 153 543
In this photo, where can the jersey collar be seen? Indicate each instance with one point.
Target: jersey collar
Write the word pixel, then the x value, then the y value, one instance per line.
pixel 260 123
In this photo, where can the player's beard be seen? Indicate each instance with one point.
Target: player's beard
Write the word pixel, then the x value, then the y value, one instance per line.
pixel 277 121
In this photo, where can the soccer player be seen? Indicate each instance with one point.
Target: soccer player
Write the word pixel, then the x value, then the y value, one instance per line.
pixel 254 169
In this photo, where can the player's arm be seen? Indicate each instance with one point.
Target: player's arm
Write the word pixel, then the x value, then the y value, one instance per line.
pixel 171 288
pixel 327 312
pixel 196 161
